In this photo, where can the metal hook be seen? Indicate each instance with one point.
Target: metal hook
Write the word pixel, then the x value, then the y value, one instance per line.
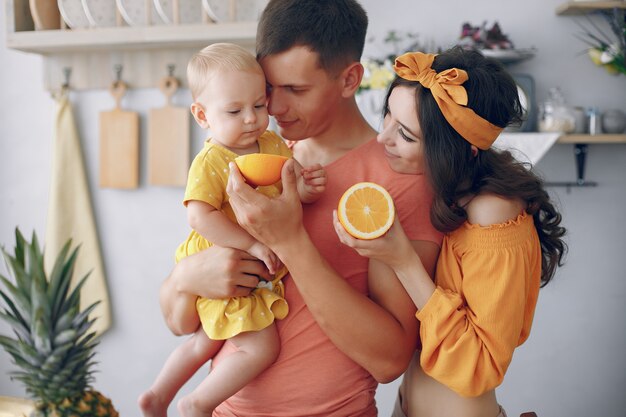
pixel 170 69
pixel 580 152
pixel 67 73
pixel 118 72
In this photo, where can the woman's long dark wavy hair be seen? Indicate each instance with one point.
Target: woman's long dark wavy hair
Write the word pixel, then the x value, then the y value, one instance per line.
pixel 456 174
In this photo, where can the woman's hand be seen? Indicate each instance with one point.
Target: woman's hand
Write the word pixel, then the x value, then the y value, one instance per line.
pixel 391 248
pixel 272 221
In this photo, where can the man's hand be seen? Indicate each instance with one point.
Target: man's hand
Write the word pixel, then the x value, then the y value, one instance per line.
pixel 272 221
pixel 221 273
pixel 212 273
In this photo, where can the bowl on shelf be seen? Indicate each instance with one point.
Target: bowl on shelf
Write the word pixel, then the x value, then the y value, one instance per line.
pixel 73 14
pixel 509 56
pixel 613 121
pixel 134 13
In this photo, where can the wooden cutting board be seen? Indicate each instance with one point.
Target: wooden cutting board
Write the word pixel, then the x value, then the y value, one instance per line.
pixel 168 140
pixel 119 144
pixel 45 14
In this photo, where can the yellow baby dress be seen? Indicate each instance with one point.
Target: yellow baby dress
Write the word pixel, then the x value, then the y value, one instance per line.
pixel 224 318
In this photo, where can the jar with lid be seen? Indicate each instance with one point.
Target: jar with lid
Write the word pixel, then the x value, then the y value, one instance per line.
pixel 554 115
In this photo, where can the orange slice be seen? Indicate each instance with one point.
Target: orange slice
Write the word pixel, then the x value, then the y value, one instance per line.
pixel 260 168
pixel 366 210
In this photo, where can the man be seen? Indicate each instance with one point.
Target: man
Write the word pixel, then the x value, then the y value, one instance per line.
pixel 347 328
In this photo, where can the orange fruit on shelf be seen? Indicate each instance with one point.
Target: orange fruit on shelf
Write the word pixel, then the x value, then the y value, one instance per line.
pixel 260 168
pixel 366 210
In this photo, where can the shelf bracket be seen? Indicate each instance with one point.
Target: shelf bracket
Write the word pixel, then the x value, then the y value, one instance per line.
pixel 580 153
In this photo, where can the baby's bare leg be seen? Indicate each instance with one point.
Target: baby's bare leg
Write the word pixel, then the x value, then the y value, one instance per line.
pixel 256 351
pixel 182 363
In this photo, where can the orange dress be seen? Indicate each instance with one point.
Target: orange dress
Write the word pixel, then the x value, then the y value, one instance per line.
pixel 488 282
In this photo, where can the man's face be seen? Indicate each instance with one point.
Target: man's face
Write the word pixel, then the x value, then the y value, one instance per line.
pixel 303 97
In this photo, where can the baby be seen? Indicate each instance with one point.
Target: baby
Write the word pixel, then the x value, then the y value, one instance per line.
pixel 229 93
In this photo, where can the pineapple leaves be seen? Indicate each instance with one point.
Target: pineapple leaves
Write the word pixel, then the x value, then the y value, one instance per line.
pixel 58 287
pixel 22 332
pixel 54 348
pixel 18 310
pixel 21 290
pixel 20 242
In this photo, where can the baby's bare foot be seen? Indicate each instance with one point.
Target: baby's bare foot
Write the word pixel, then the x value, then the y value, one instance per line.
pixel 151 405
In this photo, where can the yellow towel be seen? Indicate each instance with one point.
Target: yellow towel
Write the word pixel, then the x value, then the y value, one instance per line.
pixel 70 215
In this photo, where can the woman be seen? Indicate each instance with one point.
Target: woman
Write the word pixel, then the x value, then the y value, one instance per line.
pixel 502 234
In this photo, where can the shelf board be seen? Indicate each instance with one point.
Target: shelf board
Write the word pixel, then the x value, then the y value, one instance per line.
pixel 593 139
pixel 131 38
pixel 581 7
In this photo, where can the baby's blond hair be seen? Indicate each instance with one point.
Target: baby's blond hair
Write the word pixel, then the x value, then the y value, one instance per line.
pixel 215 57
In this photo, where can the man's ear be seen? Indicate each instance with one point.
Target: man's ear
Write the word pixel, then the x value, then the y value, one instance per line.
pixel 352 76
pixel 198 113
pixel 474 151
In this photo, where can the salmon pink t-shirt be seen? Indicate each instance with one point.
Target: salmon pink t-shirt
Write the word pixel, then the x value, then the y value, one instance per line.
pixel 311 376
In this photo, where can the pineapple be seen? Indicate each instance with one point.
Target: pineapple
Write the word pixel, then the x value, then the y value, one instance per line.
pixel 53 347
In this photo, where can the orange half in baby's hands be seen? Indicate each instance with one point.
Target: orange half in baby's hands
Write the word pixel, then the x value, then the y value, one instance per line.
pixel 366 210
pixel 260 168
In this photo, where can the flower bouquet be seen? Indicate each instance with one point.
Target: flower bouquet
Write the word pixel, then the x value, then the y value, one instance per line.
pixel 378 72
pixel 607 51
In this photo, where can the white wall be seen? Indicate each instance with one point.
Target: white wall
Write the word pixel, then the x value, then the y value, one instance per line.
pixel 573 363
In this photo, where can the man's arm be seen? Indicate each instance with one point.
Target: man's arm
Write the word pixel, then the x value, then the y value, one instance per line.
pixel 213 273
pixel 379 340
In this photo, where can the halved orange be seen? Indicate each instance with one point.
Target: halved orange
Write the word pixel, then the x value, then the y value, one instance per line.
pixel 260 168
pixel 366 210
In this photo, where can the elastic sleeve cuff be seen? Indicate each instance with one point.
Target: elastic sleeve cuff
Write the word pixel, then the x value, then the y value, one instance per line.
pixel 441 304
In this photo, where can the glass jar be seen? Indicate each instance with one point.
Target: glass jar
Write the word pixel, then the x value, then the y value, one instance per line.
pixel 554 115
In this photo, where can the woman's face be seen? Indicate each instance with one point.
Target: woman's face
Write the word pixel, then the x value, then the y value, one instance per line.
pixel 401 134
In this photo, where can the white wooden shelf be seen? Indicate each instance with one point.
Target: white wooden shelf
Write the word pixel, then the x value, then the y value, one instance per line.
pixel 581 7
pixel 593 139
pixel 131 38
pixel 92 54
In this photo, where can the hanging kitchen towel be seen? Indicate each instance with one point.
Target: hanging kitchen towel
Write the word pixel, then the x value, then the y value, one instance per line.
pixel 70 215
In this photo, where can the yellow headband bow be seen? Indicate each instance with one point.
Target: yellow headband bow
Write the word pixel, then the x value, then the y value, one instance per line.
pixel 450 95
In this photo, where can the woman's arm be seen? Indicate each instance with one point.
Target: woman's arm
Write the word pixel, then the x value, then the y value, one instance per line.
pixel 469 330
pixel 216 272
pixel 379 340
pixel 413 263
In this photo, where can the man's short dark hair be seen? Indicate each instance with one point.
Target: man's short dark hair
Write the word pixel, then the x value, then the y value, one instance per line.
pixel 335 29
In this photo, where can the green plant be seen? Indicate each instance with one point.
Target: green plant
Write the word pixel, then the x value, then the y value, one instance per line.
pixel 53 347
pixel 607 50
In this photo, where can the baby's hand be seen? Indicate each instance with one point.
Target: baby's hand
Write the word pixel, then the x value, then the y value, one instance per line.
pixel 311 183
pixel 263 253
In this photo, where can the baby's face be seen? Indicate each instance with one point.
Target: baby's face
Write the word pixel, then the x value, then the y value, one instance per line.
pixel 235 106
